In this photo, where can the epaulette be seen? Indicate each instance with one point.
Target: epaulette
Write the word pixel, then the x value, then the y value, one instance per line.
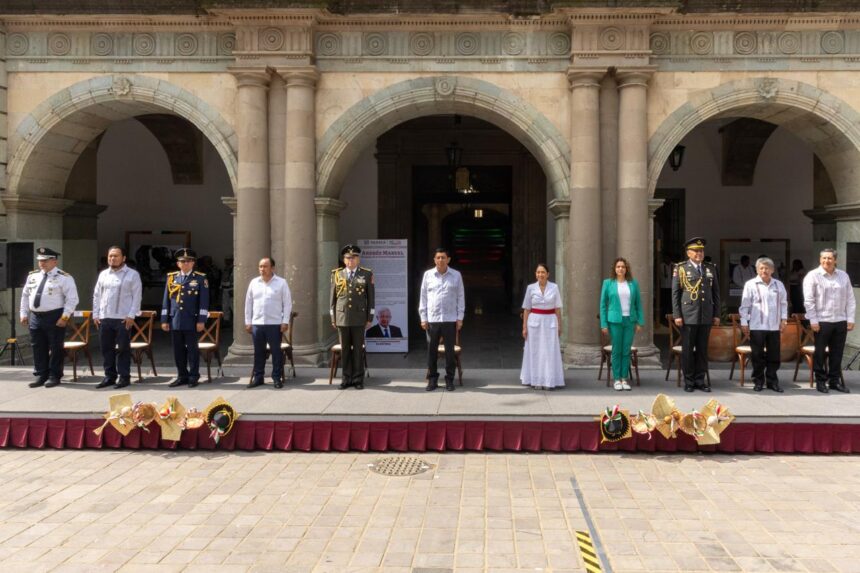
pixel 366 269
pixel 199 273
pixel 62 272
pixel 173 273
pixel 335 270
pixel 34 271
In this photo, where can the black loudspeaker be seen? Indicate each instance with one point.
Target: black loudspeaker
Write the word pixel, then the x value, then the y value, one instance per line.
pixel 16 262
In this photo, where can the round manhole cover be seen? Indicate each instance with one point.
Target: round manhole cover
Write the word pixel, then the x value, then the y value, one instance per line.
pixel 399 466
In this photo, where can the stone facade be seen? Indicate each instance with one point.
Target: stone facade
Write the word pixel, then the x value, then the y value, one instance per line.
pixel 289 97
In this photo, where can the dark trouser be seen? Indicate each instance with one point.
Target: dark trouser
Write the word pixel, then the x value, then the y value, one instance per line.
pixel 115 342
pixel 832 335
pixel 765 356
pixel 186 354
pixel 448 331
pixel 270 334
pixel 352 353
pixel 47 340
pixel 694 353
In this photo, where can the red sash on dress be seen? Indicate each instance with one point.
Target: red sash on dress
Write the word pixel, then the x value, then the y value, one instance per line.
pixel 543 310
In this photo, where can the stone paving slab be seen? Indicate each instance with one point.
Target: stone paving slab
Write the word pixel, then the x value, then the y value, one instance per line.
pixel 398 393
pixel 80 510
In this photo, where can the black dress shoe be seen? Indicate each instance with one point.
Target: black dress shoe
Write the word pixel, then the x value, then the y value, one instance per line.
pixel 344 385
pixel 122 383
pixel 821 387
pixel 193 382
pixel 37 383
pixel 52 382
pixel 178 382
pixel 432 385
pixel 449 385
pixel 706 388
pixel 840 387
pixel 279 384
pixel 359 385
pixel 106 382
pixel 254 383
pixel 758 387
pixel 688 388
pixel 776 388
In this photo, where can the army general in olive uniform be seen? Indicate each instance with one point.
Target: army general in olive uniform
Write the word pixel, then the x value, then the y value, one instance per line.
pixel 695 307
pixel 352 310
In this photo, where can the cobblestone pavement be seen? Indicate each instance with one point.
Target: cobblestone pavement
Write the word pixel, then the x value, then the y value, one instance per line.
pixel 327 513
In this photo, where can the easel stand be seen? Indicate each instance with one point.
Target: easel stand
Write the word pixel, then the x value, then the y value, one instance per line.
pixel 12 342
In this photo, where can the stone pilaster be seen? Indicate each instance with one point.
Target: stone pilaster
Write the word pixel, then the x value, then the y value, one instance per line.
pixel 635 232
pixel 328 211
pixel 300 252
pixel 277 151
pixel 582 290
pixel 609 168
pixel 252 193
pixel 3 112
pixel 560 209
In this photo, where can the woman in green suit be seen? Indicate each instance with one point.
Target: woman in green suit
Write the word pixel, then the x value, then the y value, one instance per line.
pixel 621 318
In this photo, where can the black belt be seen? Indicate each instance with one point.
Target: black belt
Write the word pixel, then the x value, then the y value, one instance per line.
pixel 47 311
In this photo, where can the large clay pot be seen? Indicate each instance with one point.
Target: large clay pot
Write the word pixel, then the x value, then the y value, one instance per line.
pixel 721 344
pixel 789 342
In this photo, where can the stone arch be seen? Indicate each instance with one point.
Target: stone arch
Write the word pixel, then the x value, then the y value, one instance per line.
pixel 49 140
pixel 827 124
pixel 376 114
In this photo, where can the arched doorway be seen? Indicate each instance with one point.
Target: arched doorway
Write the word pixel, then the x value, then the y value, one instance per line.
pixel 418 199
pixel 768 167
pixel 127 160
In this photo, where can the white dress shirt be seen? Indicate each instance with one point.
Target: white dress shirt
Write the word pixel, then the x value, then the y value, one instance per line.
pixel 763 306
pixel 828 298
pixel 117 294
pixel 742 274
pixel 443 298
pixel 268 302
pixel 624 297
pixel 59 292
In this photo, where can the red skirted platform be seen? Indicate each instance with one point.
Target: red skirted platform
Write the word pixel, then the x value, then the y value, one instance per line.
pixel 437 436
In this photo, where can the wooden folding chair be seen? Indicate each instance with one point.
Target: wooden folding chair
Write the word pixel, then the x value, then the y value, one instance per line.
pixel 606 358
pixel 806 350
pixel 743 350
pixel 440 350
pixel 79 340
pixel 209 343
pixel 286 345
pixel 141 340
pixel 334 362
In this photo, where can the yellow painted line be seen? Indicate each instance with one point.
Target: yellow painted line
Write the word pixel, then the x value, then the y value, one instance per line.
pixel 588 553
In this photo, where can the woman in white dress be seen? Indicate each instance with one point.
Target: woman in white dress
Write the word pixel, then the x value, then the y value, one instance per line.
pixel 542 366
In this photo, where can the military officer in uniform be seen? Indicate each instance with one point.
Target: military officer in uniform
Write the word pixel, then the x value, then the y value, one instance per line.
pixel 47 303
pixel 352 310
pixel 695 307
pixel 183 313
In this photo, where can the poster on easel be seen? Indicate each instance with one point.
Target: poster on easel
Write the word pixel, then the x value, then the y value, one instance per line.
pixel 387 258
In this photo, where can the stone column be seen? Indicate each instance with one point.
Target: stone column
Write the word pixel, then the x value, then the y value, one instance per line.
pixel 328 219
pixel 560 209
pixel 584 272
pixel 634 224
pixel 609 168
pixel 300 250
pixel 277 126
pixel 252 194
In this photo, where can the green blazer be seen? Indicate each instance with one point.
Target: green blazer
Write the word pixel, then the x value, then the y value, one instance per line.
pixel 610 303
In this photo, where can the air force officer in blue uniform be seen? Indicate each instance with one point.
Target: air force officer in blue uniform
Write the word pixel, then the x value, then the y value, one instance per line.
pixel 183 313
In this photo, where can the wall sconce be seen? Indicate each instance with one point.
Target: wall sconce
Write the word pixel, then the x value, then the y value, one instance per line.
pixel 677 157
pixel 479 213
